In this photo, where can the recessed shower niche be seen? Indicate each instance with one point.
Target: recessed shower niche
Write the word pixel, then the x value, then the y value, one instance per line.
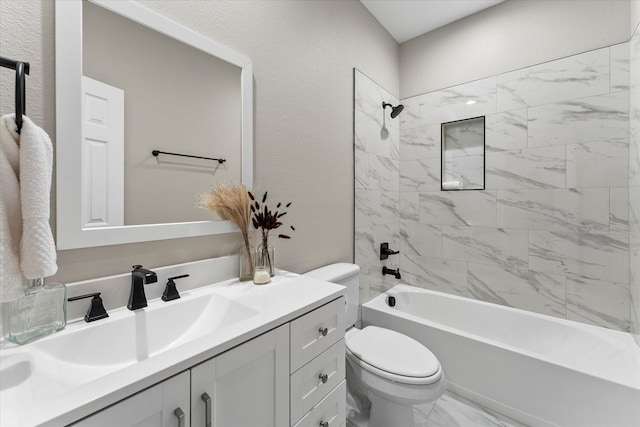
pixel 463 155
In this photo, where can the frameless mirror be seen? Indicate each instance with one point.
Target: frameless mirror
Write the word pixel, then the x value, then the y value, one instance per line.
pixel 463 155
pixel 130 84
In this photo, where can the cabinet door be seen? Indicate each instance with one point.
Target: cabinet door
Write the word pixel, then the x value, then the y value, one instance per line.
pixel 153 407
pixel 248 385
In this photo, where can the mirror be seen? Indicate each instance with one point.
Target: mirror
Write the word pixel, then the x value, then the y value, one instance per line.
pixel 463 155
pixel 117 101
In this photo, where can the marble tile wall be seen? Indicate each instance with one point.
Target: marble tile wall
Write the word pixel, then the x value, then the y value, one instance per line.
pixel 560 216
pixel 378 182
pixel 633 217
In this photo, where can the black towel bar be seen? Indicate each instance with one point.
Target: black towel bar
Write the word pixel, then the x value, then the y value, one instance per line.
pixel 158 152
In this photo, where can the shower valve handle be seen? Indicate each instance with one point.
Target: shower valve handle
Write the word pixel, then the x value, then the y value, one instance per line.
pixel 385 251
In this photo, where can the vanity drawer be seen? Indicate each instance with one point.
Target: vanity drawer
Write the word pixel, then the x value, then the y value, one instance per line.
pixel 331 410
pixel 307 386
pixel 315 332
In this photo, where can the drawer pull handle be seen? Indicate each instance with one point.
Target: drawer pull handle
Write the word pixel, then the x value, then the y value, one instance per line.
pixel 323 378
pixel 180 414
pixel 207 408
pixel 324 423
pixel 324 331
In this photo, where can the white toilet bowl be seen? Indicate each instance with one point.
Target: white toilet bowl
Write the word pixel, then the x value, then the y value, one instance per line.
pixel 393 373
pixel 388 373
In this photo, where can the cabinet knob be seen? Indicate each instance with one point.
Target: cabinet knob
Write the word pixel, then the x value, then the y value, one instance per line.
pixel 179 413
pixel 207 409
pixel 323 378
pixel 324 331
pixel 324 423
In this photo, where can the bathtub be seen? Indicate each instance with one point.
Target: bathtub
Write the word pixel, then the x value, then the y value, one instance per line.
pixel 537 369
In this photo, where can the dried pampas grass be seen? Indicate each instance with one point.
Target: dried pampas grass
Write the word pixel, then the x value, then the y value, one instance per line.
pixel 231 203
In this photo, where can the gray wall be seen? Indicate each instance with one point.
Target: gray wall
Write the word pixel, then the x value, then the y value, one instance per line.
pixel 303 54
pixel 508 36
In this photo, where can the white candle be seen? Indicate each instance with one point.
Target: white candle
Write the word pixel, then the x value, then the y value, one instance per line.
pixel 261 276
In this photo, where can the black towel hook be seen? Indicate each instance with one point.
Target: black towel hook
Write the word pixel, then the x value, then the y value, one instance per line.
pixel 21 68
pixel 20 98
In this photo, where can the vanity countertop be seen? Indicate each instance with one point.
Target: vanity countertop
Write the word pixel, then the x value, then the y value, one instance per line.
pixel 40 389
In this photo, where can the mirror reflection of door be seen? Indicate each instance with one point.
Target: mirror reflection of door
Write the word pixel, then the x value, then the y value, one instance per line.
pixel 199 115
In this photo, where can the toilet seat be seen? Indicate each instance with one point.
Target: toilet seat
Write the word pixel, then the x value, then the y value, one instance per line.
pixel 393 356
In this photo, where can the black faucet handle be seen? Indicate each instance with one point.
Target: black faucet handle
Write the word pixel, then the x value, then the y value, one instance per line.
pixel 96 309
pixel 385 251
pixel 170 291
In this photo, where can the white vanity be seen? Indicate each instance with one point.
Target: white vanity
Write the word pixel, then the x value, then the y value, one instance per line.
pixel 233 353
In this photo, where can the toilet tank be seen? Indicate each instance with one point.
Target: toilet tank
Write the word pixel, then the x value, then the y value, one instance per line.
pixel 345 274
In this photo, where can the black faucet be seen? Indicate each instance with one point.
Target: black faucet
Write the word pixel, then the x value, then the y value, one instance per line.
pixel 139 277
pixel 395 273
pixel 385 251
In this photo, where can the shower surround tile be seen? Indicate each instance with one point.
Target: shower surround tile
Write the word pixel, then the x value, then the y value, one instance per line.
pixel 410 117
pixel 593 119
pixel 619 209
pixel 477 208
pixel 437 274
pixel 409 206
pixel 384 173
pixel 576 210
pixel 453 103
pixel 542 167
pixel 598 303
pixel 527 290
pixel 420 239
pixel 420 175
pixel 619 67
pixel 593 256
pixel 488 246
pixel 420 142
pixel 577 76
pixel 506 130
pixel 598 164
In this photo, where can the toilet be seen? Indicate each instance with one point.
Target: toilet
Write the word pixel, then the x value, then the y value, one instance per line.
pixel 388 373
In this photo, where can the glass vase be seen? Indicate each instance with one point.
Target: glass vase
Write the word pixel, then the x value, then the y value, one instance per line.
pixel 245 263
pixel 265 257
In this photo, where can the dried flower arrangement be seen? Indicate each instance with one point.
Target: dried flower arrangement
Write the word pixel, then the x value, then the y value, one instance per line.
pixel 231 203
pixel 265 220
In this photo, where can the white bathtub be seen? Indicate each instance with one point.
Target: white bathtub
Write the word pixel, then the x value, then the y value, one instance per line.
pixel 537 369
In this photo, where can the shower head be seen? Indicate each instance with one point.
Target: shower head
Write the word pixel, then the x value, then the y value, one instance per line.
pixel 394 110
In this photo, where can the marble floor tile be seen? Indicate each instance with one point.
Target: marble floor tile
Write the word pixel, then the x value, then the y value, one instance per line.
pixel 452 410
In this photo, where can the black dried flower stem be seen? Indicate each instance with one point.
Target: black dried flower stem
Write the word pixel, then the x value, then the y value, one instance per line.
pixel 265 220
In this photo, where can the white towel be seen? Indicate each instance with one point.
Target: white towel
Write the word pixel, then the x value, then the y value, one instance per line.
pixel 10 216
pixel 33 178
pixel 452 185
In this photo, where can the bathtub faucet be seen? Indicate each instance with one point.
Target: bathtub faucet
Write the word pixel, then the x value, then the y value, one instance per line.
pixel 395 273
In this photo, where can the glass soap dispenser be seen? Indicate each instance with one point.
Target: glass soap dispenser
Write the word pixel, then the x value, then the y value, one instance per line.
pixel 40 312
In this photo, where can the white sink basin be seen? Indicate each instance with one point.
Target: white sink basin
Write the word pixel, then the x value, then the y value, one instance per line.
pixel 84 352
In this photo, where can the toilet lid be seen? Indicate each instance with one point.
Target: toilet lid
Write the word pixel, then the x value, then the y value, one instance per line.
pixel 393 352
